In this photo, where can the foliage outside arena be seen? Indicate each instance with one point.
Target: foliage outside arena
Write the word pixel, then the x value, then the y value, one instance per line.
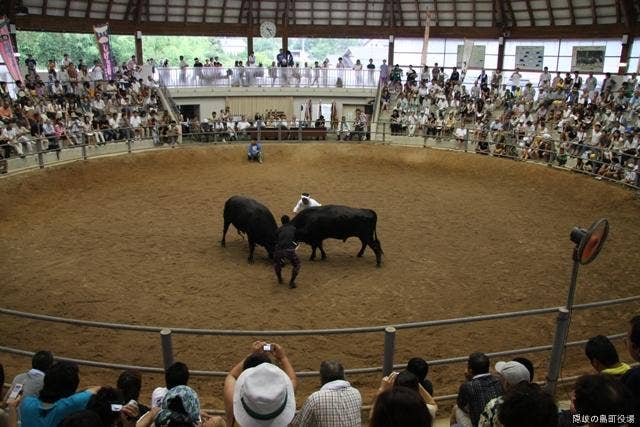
pixel 44 46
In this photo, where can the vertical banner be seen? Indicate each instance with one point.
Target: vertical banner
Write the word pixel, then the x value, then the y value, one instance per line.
pixel 467 50
pixel 425 41
pixel 6 50
pixel 103 39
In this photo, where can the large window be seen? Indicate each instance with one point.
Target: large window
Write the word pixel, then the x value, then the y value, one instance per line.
pixel 310 50
pixel 170 48
pixel 634 61
pixel 443 52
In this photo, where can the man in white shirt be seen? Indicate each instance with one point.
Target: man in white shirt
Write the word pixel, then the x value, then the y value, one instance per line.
pixel 305 202
pixel 545 79
pixel 33 380
pixel 135 121
pixel 97 74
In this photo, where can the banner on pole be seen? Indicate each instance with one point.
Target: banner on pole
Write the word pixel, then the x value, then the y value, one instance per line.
pixel 425 41
pixel 6 50
pixel 103 39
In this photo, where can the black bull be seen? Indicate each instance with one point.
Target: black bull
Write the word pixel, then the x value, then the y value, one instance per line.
pixel 313 225
pixel 253 218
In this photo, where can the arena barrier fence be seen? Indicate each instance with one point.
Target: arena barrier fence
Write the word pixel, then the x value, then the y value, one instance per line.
pixel 620 166
pixel 388 330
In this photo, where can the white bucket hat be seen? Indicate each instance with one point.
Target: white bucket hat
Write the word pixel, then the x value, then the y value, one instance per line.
pixel 263 396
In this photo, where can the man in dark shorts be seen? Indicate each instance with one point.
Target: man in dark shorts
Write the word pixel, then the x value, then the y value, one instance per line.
pixel 286 246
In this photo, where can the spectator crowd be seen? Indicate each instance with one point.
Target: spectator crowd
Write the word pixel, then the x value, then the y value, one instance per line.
pixel 575 116
pixel 260 390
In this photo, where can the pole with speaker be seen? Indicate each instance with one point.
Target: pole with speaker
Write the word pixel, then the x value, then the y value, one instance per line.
pixel 588 243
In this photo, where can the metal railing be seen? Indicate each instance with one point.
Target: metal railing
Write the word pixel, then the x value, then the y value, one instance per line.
pixel 174 77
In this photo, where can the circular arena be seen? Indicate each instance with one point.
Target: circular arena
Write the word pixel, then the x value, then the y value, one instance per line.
pixel 135 239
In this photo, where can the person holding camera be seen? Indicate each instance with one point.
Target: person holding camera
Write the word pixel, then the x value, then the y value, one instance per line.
pixel 243 388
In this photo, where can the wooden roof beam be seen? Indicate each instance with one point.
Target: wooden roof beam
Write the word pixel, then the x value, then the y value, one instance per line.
pixel 400 12
pixel 552 18
pixel 435 11
pixel 532 21
pixel 455 14
pixel 594 16
pixel 44 6
pixel 242 6
pixel 166 10
pixel 87 12
pixel 513 15
pixel 628 13
pixel 66 8
pixel 107 15
pixel 571 14
pixel 205 7
pixel 224 6
pixel 139 13
pixel 186 9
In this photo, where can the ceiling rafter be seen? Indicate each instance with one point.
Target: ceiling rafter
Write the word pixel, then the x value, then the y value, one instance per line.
pixel 241 14
pixel 166 10
pixel 107 15
pixel 186 9
pixel 205 7
pixel 473 11
pixel 147 7
pixel 400 12
pixel 139 13
pixel 88 10
pixel 292 10
pixel 67 5
pixel 628 13
pixel 552 18
pixel 385 6
pixel 594 16
pixel 44 7
pixel 366 13
pixel 514 23
pixel 618 14
pixel 224 7
pixel 128 10
pixel 530 12
pixel 572 15
pixel 455 14
pixel 435 10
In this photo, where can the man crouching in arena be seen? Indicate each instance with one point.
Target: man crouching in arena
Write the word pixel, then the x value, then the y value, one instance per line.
pixel 286 249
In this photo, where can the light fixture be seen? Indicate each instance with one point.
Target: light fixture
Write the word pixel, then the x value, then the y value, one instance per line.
pixel 589 242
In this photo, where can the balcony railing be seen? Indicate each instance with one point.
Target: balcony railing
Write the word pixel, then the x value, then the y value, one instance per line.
pixel 268 77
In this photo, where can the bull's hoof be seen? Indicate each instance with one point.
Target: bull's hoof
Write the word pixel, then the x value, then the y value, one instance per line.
pixel 378 265
pixel 312 258
pixel 359 255
pixel 324 258
pixel 223 244
pixel 250 260
pixel 292 285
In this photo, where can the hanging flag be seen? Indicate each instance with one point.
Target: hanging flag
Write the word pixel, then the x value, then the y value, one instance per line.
pixel 425 41
pixel 467 51
pixel 103 39
pixel 307 112
pixel 6 50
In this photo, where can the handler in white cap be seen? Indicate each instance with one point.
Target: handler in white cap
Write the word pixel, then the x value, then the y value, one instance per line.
pixel 305 202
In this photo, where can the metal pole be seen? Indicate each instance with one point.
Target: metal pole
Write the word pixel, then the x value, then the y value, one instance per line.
pixel 299 130
pixel 557 352
pixel 167 347
pixel 84 151
pixel 389 349
pixel 574 279
pixel 40 159
pixel 129 146
pixel 384 132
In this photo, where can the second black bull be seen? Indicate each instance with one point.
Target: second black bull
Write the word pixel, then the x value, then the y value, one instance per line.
pixel 313 225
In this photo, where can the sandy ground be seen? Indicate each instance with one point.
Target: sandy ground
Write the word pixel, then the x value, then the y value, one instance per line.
pixel 135 239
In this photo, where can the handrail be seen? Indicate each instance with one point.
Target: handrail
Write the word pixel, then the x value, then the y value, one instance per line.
pixel 334 331
pixel 304 374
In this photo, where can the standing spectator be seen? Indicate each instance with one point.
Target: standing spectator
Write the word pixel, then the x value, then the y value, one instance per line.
pixel 384 72
pixel 183 69
pixel 358 71
pixel 515 80
pixel 336 404
pixel 371 71
pixel 33 380
pixel 57 399
pixel 477 391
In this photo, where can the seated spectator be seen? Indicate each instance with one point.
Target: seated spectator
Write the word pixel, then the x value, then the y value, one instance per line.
pixel 254 152
pixel 597 395
pixel 476 392
pixel 253 391
pixel 180 407
pixel 336 403
pixel 420 368
pixel 407 379
pixel 604 357
pixel 527 405
pixel 129 384
pixel 57 399
pixel 511 374
pixel 33 380
pixel 527 364
pixel 399 407
pixel 175 375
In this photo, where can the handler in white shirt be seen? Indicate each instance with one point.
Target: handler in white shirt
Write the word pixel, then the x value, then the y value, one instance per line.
pixel 305 202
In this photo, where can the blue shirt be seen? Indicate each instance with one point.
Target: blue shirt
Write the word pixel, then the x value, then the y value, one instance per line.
pixel 35 413
pixel 254 149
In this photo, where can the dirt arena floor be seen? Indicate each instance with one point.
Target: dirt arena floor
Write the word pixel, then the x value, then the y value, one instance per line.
pixel 135 239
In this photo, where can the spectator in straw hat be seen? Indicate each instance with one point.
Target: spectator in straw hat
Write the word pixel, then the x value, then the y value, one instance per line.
pixel 510 374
